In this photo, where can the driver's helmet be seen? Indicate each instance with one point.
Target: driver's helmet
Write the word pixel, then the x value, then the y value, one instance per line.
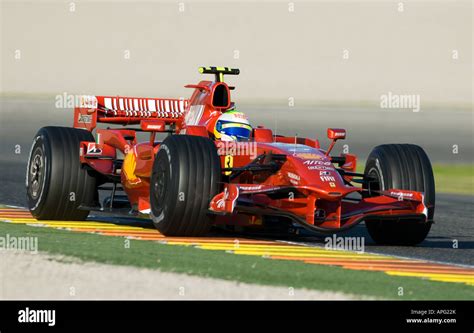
pixel 232 126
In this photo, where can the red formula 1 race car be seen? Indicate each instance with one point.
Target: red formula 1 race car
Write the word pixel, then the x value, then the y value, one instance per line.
pixel 213 169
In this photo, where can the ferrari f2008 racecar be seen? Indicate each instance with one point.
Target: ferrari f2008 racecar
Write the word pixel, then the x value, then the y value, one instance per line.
pixel 213 169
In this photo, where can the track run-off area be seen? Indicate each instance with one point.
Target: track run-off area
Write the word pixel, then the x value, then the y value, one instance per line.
pixel 270 249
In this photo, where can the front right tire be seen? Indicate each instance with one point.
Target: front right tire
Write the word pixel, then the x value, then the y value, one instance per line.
pixel 404 167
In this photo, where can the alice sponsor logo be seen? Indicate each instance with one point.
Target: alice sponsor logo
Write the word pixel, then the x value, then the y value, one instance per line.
pixel 23 244
pixel 37 316
pixel 316 162
pixel 356 244
pixel 400 101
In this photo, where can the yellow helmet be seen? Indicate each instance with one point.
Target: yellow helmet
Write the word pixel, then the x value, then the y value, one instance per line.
pixel 232 126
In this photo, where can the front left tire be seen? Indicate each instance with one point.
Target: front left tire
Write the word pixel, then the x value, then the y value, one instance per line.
pixel 185 177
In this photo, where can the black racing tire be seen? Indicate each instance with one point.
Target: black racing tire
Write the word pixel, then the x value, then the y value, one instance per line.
pixel 404 167
pixel 185 177
pixel 56 182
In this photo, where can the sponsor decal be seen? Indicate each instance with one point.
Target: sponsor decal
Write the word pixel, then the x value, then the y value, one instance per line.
pixel 325 173
pixel 154 127
pixel 294 178
pixel 402 194
pixel 128 169
pixel 84 118
pixel 332 184
pixel 319 167
pixel 250 188
pixel 316 162
pixel 240 115
pixel 327 178
pixel 92 149
pixel 309 156
pixel 228 163
pixel 88 102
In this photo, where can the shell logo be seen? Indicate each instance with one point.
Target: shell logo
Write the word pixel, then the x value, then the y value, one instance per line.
pixel 128 169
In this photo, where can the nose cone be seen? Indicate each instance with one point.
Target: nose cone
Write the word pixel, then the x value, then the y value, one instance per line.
pixel 308 166
pixel 315 169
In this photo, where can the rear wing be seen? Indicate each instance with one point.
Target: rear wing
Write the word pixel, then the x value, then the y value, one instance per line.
pixel 126 110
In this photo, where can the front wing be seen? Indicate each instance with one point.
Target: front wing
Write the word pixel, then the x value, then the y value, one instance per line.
pixel 318 210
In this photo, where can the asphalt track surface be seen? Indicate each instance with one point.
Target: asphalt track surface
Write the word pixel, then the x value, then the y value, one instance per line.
pixel 436 131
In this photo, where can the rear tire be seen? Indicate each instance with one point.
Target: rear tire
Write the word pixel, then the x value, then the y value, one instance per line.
pixel 185 177
pixel 404 167
pixel 56 182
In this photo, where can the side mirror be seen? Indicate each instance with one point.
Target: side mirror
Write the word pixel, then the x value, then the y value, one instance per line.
pixel 336 133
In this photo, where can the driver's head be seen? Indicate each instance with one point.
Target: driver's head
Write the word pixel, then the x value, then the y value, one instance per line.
pixel 232 126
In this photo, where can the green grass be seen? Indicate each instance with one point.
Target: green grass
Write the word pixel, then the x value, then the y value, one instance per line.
pixel 222 265
pixel 458 179
pixel 449 178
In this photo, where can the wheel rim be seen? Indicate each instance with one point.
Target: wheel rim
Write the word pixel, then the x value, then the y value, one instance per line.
pixel 374 184
pixel 160 184
pixel 36 174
